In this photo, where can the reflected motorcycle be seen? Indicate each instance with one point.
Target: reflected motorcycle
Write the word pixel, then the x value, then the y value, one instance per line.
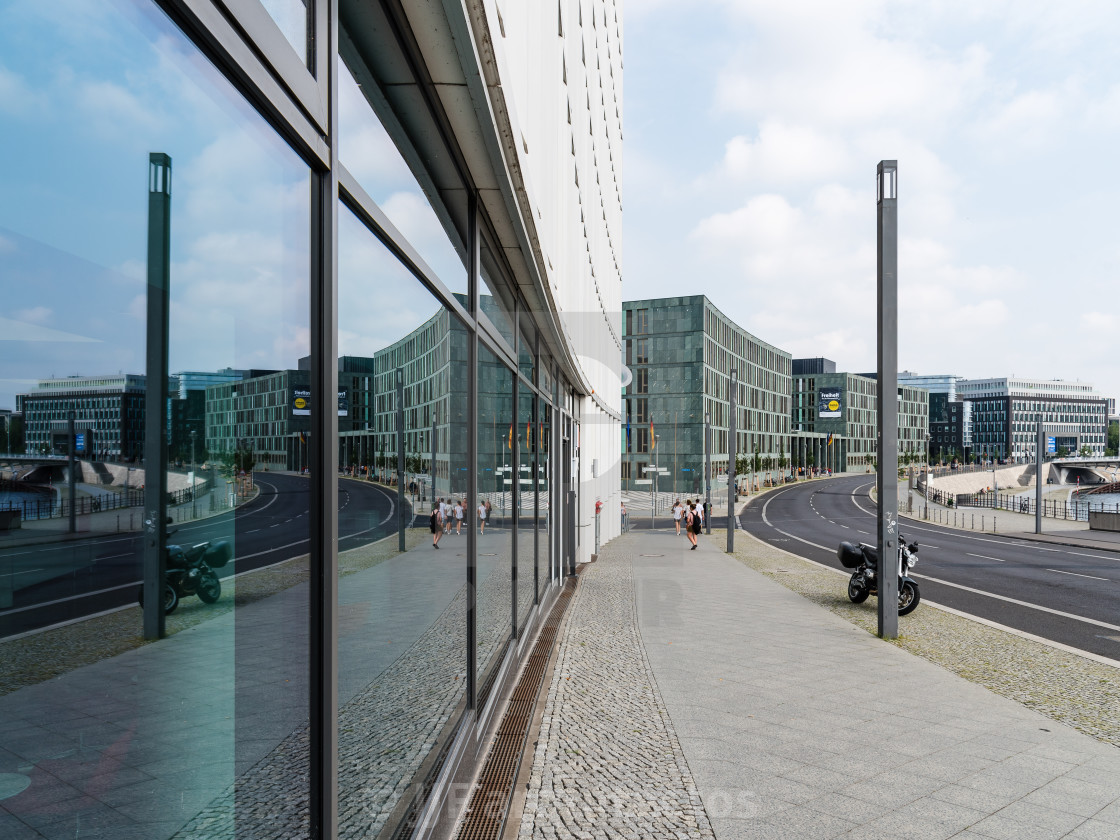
pixel 864 559
pixel 190 571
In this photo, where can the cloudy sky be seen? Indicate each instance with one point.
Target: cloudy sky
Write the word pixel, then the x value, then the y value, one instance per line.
pixel 752 132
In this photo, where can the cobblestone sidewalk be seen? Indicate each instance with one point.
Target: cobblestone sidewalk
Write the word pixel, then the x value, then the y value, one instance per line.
pixel 608 763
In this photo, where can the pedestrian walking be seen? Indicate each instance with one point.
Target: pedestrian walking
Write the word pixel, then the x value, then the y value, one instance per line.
pixel 459 505
pixel 435 525
pixel 678 512
pixel 482 517
pixel 691 521
pixel 489 511
pixel 445 512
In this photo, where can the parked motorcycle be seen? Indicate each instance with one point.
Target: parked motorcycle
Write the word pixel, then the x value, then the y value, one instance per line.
pixel 865 560
pixel 190 571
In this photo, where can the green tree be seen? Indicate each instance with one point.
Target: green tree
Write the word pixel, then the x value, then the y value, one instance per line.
pixel 1086 450
pixel 1063 452
pixel 1113 446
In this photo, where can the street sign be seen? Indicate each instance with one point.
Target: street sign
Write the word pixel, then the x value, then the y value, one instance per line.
pixel 642 481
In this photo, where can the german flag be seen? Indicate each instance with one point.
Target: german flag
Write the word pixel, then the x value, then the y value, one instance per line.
pixel 829 439
pixel 528 436
pixel 652 438
pixel 510 442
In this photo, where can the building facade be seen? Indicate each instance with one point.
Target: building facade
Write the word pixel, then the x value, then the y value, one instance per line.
pixel 1006 411
pixel 108 415
pixel 680 353
pixel 842 409
pixel 424 200
pixel 949 417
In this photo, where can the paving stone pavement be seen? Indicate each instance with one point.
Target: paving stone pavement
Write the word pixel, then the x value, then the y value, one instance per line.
pixel 792 722
pixel 607 761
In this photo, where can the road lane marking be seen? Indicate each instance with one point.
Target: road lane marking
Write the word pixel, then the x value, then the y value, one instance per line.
pixel 1020 603
pixel 1081 618
pixel 1075 574
pixel 1056 550
pixel 984 557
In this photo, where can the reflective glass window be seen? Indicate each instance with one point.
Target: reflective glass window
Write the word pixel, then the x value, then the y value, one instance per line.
pixel 544 495
pixel 203 732
pixel 369 154
pixel 495 300
pixel 497 447
pixel 292 18
pixel 402 576
pixel 524 470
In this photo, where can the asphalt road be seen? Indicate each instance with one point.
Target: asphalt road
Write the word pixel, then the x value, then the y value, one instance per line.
pixel 56 582
pixel 1065 594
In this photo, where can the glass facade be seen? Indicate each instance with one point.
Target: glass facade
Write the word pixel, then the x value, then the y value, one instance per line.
pixel 278 593
pixel 681 352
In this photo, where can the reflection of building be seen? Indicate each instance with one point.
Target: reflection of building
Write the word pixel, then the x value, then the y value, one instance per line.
pixel 109 410
pixel 356 686
pixel 680 352
pixel 842 407
pixel 1005 414
pixel 433 366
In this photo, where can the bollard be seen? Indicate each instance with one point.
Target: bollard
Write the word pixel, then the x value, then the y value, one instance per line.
pixel 974 522
pixel 118 523
pixel 993 525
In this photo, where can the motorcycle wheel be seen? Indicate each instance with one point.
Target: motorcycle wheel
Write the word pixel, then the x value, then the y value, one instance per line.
pixel 170 599
pixel 857 590
pixel 908 597
pixel 209 589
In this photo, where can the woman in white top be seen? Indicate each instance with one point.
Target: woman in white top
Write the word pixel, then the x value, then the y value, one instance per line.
pixel 678 512
pixel 458 517
pixel 482 517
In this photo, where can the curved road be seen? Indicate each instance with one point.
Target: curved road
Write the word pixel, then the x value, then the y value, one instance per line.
pixel 1064 594
pixel 56 582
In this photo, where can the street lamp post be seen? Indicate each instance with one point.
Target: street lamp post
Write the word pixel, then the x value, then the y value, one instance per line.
pixel 656 472
pixel 194 506
pixel 708 464
pixel 887 282
pixel 927 476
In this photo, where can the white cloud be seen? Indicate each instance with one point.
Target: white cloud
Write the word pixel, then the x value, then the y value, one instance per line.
pixel 12 330
pixel 35 315
pixel 787 154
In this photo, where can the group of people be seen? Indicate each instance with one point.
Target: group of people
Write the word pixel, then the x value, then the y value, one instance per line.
pixel 448 511
pixel 691 515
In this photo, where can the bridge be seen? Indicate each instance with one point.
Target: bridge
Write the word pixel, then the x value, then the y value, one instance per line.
pixel 1094 469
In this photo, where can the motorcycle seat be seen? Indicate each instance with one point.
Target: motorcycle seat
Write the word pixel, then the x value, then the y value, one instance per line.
pixel 870 556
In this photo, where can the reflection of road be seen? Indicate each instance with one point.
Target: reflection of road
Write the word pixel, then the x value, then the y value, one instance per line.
pixel 55 582
pixel 1069 595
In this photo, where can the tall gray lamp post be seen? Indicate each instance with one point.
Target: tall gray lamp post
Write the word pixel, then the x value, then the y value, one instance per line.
pixel 194 506
pixel 887 281
pixel 708 464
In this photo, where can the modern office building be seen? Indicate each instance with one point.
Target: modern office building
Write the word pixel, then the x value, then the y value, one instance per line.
pixel 1006 411
pixel 429 192
pixel 949 417
pixel 108 416
pixel 841 408
pixel 680 352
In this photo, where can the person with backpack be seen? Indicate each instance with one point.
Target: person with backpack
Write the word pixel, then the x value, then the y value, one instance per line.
pixel 435 524
pixel 691 521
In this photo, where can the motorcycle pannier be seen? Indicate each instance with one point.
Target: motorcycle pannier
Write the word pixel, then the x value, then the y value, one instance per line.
pixel 218 554
pixel 849 555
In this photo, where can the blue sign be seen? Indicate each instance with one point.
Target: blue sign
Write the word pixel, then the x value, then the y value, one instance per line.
pixel 1051 445
pixel 80 442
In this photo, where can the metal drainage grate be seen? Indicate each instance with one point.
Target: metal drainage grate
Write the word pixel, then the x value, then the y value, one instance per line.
pixel 488 810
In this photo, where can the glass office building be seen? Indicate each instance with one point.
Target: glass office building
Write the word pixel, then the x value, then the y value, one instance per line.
pixel 842 407
pixel 1006 412
pixel 426 196
pixel 680 352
